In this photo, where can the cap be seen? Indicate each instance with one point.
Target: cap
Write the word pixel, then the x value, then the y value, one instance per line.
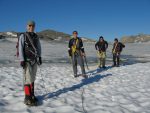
pixel 75 32
pixel 31 22
pixel 115 39
pixel 101 37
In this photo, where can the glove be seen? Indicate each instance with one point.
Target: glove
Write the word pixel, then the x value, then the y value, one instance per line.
pixel 83 54
pixel 113 51
pixel 118 53
pixel 70 53
pixel 22 64
pixel 40 61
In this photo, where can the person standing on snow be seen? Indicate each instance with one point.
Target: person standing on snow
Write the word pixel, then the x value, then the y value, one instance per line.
pixel 101 47
pixel 30 57
pixel 116 51
pixel 76 52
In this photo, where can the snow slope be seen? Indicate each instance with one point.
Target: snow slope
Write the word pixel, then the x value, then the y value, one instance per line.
pixel 115 90
pixel 11 34
pixel 53 52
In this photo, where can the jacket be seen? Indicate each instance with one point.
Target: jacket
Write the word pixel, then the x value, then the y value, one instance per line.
pixel 117 47
pixel 101 46
pixel 79 45
pixel 26 50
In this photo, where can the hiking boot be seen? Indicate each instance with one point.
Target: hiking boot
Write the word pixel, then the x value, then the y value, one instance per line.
pixel 84 75
pixel 104 67
pixel 34 99
pixel 117 65
pixel 113 65
pixel 99 67
pixel 30 101
pixel 76 76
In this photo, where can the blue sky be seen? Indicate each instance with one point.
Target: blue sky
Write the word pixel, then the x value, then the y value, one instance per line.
pixel 91 18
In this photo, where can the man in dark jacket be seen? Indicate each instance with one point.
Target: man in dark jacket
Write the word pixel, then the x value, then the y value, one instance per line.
pixel 30 56
pixel 117 49
pixel 76 52
pixel 101 47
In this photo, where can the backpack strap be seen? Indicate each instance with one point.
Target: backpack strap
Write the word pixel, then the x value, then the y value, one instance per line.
pixel 114 51
pixel 24 46
pixel 29 37
pixel 74 47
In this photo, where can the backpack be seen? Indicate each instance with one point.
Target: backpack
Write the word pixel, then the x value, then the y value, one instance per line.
pixel 121 46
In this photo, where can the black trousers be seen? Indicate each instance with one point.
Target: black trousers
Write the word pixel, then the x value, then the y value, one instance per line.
pixel 116 59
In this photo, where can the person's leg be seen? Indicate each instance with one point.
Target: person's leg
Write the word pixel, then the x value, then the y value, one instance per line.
pixel 114 59
pixel 32 88
pixel 118 59
pixel 27 92
pixel 27 88
pixel 30 74
pixel 34 71
pixel 100 64
pixel 99 59
pixel 74 65
pixel 103 59
pixel 34 99
pixel 81 63
pixel 103 64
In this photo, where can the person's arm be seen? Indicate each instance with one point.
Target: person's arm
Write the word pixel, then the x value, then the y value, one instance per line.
pixel 69 48
pixel 113 48
pixel 106 44
pixel 21 47
pixel 21 50
pixel 81 46
pixel 123 45
pixel 96 46
pixel 39 51
pixel 119 48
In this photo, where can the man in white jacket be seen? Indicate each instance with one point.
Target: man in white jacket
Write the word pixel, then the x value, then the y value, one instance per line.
pixel 30 57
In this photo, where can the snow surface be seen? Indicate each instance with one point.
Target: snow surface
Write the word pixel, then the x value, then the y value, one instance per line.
pixel 125 89
pixel 116 90
pixel 11 34
pixel 53 52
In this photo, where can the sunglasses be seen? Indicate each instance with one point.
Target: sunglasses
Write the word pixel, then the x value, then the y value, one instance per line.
pixel 31 26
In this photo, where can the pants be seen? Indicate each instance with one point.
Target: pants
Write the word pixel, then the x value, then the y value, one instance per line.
pixel 102 58
pixel 116 59
pixel 29 73
pixel 77 59
pixel 29 78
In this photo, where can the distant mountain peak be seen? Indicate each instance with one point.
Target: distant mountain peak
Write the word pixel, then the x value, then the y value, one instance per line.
pixel 136 38
pixel 46 34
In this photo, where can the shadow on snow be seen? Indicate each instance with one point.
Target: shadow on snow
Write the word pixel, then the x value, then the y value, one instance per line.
pixel 96 78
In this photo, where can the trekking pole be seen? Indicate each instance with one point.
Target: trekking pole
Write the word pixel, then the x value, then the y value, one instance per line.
pixel 70 59
pixel 98 57
pixel 86 62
